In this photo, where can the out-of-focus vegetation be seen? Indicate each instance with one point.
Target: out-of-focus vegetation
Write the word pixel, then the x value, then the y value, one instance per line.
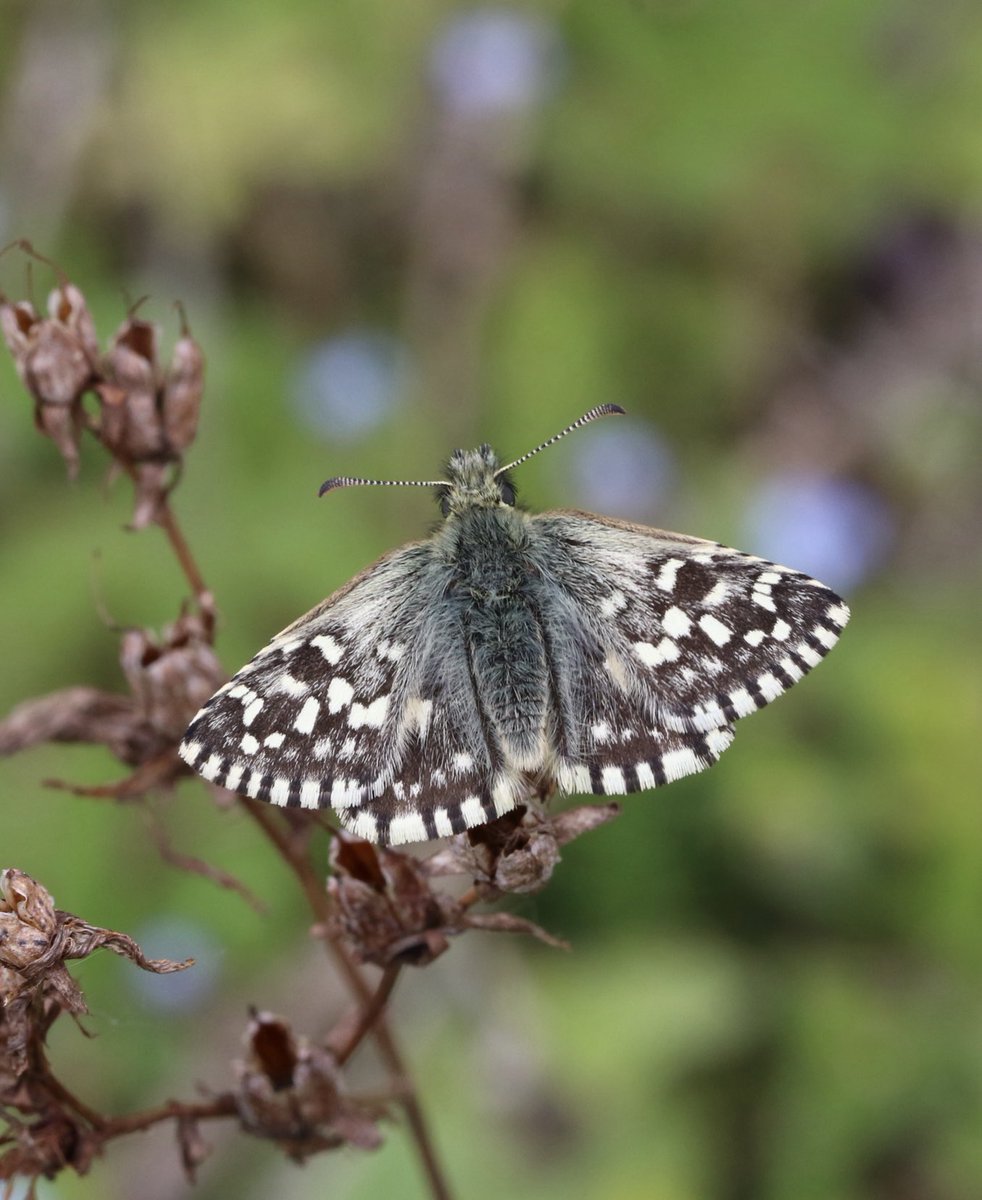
pixel 401 227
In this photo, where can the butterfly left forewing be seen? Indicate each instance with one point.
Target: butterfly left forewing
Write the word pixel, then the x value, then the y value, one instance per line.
pixel 316 718
pixel 365 705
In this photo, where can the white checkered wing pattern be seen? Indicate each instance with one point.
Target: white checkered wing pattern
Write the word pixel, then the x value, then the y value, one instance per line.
pixel 363 705
pixel 667 641
pixel 417 703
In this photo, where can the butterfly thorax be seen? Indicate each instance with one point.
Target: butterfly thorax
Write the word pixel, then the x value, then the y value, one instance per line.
pixel 486 550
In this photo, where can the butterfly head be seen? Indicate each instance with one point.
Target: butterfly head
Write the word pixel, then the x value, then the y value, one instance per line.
pixel 475 479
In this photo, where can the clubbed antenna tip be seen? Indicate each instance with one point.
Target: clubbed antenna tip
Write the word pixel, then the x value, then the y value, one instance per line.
pixel 602 410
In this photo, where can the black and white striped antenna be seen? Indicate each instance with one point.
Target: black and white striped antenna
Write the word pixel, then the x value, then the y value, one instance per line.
pixel 602 410
pixel 341 481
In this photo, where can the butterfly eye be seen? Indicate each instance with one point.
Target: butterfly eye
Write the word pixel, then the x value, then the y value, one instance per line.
pixel 506 489
pixel 443 498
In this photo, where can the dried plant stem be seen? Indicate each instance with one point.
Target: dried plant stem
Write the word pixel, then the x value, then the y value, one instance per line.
pixel 182 551
pixel 198 866
pixel 402 1081
pixel 71 1101
pixel 168 522
pixel 371 1012
pixel 221 1106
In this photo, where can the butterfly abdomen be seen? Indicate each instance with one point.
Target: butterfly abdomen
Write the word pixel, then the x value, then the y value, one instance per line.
pixel 504 646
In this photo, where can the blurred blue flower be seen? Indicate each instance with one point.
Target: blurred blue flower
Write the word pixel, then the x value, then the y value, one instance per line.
pixel 178 938
pixel 494 60
pixel 624 468
pixel 347 385
pixel 838 530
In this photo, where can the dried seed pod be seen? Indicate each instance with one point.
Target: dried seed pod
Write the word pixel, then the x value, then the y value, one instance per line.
pixel 27 919
pixel 148 418
pixel 181 398
pixel 66 304
pixel 148 421
pixel 55 357
pixel 387 911
pixel 131 427
pixel 171 677
pixel 18 320
pixel 518 852
pixel 152 481
pixel 36 938
pixel 272 1050
pixel 384 906
pixel 291 1090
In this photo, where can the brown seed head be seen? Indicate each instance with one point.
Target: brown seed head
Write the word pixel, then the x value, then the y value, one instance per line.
pixel 291 1090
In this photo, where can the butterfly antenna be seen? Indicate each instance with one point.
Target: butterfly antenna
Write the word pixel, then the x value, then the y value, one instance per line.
pixel 602 410
pixel 341 481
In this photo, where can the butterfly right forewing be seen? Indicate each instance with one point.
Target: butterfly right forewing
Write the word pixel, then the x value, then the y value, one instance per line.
pixel 669 640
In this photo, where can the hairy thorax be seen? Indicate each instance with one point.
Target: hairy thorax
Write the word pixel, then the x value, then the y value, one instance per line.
pixel 488 552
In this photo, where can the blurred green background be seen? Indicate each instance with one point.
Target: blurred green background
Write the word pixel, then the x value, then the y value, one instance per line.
pixel 398 228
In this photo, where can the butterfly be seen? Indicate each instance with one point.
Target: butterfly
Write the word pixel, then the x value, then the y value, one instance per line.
pixel 510 654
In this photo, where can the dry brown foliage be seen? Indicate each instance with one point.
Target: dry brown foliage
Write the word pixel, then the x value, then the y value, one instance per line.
pixel 378 906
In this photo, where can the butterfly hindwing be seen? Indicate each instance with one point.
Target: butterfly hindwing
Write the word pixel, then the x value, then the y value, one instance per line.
pixel 444 783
